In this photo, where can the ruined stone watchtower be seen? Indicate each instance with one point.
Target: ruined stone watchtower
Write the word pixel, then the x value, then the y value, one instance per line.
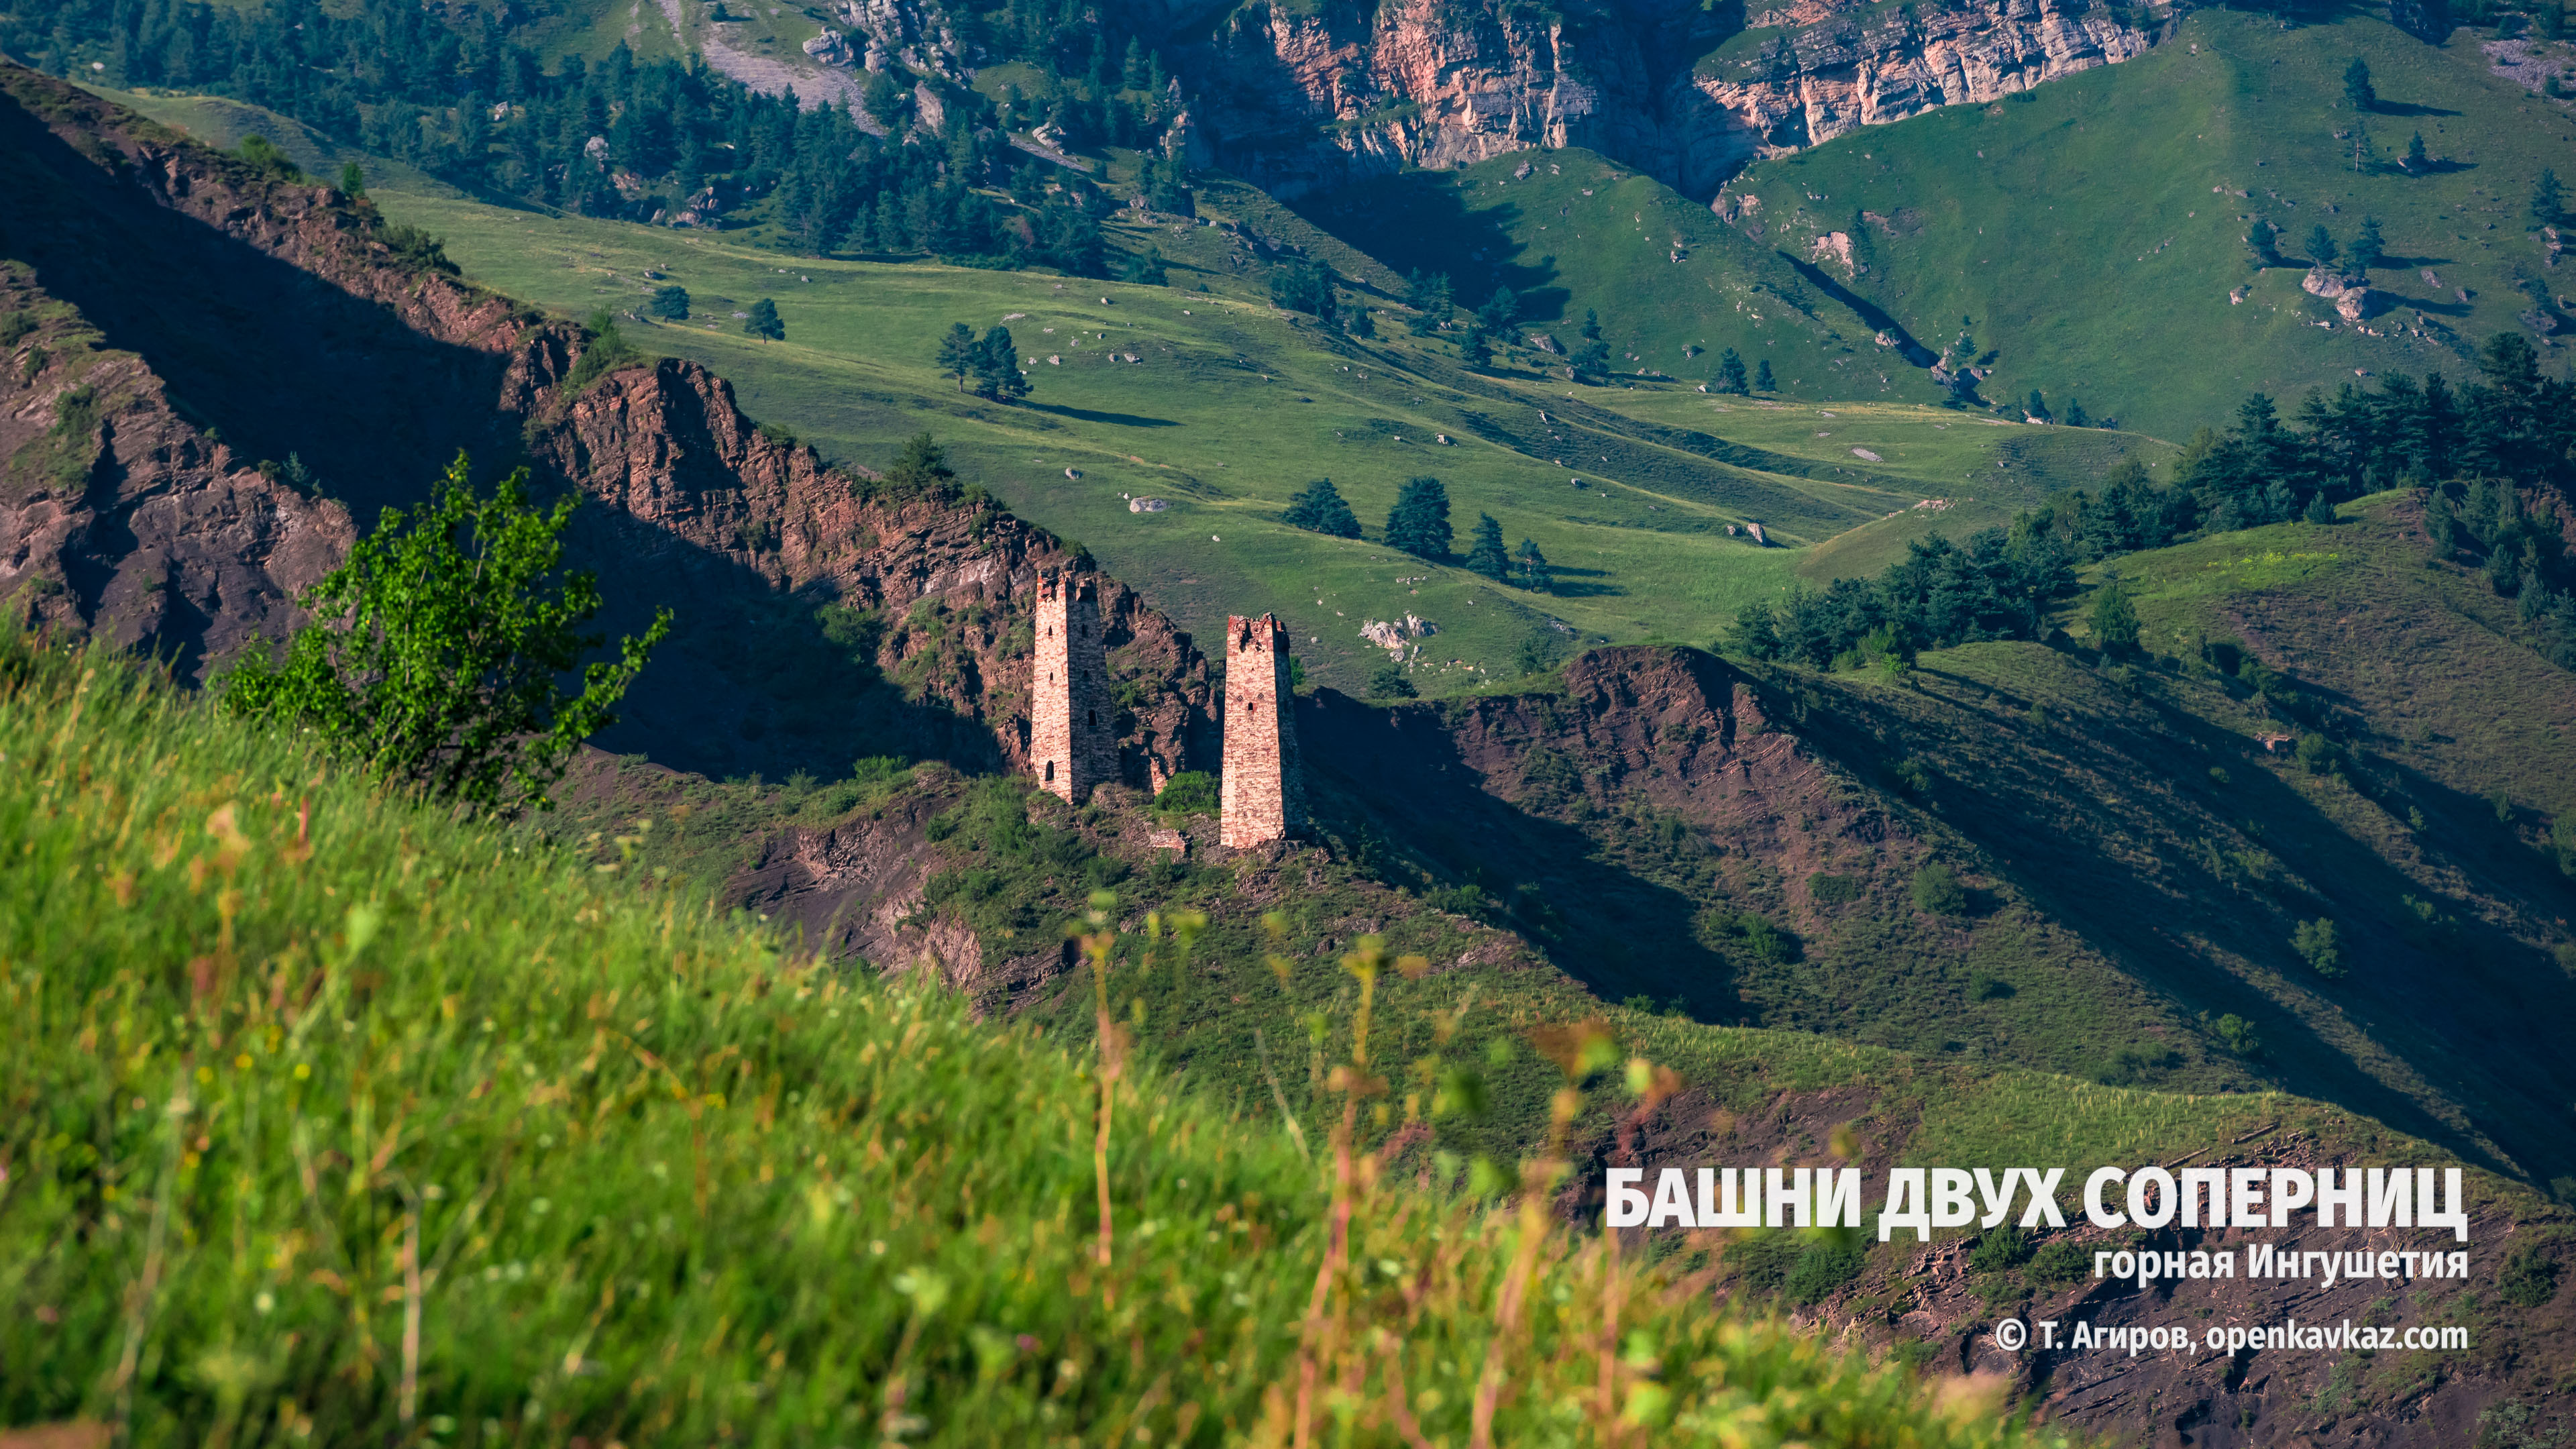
pixel 1070 746
pixel 1262 789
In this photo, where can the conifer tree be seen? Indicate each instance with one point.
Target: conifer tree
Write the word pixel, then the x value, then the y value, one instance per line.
pixel 1419 522
pixel 1730 373
pixel 671 304
pixel 997 367
pixel 1321 508
pixel 1530 568
pixel 2321 246
pixel 1762 380
pixel 2037 405
pixel 958 353
pixel 2367 248
pixel 2545 198
pixel 2357 91
pixel 763 322
pixel 1473 349
pixel 1487 554
pixel 2415 158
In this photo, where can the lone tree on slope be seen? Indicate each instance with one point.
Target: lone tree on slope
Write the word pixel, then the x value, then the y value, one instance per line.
pixel 1419 522
pixel 1487 555
pixel 763 322
pixel 958 353
pixel 2356 86
pixel 1320 508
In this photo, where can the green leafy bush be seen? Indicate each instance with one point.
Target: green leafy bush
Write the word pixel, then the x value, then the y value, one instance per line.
pixel 1191 792
pixel 2529 1277
pixel 2319 945
pixel 436 647
pixel 2000 1250
pixel 1937 891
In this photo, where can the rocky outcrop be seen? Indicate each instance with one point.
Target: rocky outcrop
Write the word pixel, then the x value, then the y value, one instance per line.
pixel 1835 77
pixel 1307 99
pixel 228 369
pixel 2354 298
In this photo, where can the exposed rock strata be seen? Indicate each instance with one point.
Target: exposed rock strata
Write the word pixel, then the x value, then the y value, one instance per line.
pixel 1309 100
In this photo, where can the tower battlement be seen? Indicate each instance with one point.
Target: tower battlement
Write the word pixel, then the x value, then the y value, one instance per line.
pixel 1262 789
pixel 1070 745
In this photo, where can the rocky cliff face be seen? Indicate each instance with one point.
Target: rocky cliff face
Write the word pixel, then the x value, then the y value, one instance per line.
pixel 1309 100
pixel 213 377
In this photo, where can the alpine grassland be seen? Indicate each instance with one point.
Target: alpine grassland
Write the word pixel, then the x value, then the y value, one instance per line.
pixel 1628 485
pixel 336 1117
pixel 2092 231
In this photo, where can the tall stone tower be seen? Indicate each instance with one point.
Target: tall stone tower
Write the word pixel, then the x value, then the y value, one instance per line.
pixel 1070 747
pixel 1262 789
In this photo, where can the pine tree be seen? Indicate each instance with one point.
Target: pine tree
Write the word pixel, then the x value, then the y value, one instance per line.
pixel 763 322
pixel 1530 569
pixel 2357 90
pixel 1419 522
pixel 1321 508
pixel 671 304
pixel 2115 623
pixel 1361 323
pixel 1428 295
pixel 922 466
pixel 1145 268
pixel 2320 512
pixel 2415 158
pixel 2367 249
pixel 2545 198
pixel 2321 246
pixel 997 367
pixel 1473 349
pixel 353 181
pixel 2037 405
pixel 1500 310
pixel 1762 380
pixel 958 353
pixel 2265 244
pixel 1730 374
pixel 2075 417
pixel 1487 555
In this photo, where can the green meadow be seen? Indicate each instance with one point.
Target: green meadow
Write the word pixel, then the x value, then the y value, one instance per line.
pixel 2093 229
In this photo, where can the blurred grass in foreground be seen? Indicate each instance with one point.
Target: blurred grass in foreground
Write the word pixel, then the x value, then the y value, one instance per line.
pixel 330 1119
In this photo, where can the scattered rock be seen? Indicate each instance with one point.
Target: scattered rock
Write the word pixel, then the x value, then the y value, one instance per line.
pixel 1073 472
pixel 1146 505
pixel 2238 295
pixel 1865 453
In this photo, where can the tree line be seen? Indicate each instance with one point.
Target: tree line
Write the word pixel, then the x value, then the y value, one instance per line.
pixel 1419 525
pixel 458 92
pixel 2482 451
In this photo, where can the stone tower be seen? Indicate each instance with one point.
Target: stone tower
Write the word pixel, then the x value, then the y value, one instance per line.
pixel 1070 747
pixel 1263 792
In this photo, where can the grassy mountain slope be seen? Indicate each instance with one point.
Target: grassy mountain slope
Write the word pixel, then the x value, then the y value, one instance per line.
pixel 2093 228
pixel 438 1132
pixel 2137 806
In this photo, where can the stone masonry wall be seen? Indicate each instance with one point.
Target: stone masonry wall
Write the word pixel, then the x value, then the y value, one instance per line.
pixel 1263 788
pixel 1070 746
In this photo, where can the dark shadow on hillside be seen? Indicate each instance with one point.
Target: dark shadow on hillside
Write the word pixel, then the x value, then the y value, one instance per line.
pixel 275 360
pixel 2472 1013
pixel 1418 222
pixel 1124 420
pixel 1868 312
pixel 2408 108
pixel 1399 775
pixel 280 363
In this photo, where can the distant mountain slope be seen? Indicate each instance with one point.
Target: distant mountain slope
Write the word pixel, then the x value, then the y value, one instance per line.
pixel 2093 230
